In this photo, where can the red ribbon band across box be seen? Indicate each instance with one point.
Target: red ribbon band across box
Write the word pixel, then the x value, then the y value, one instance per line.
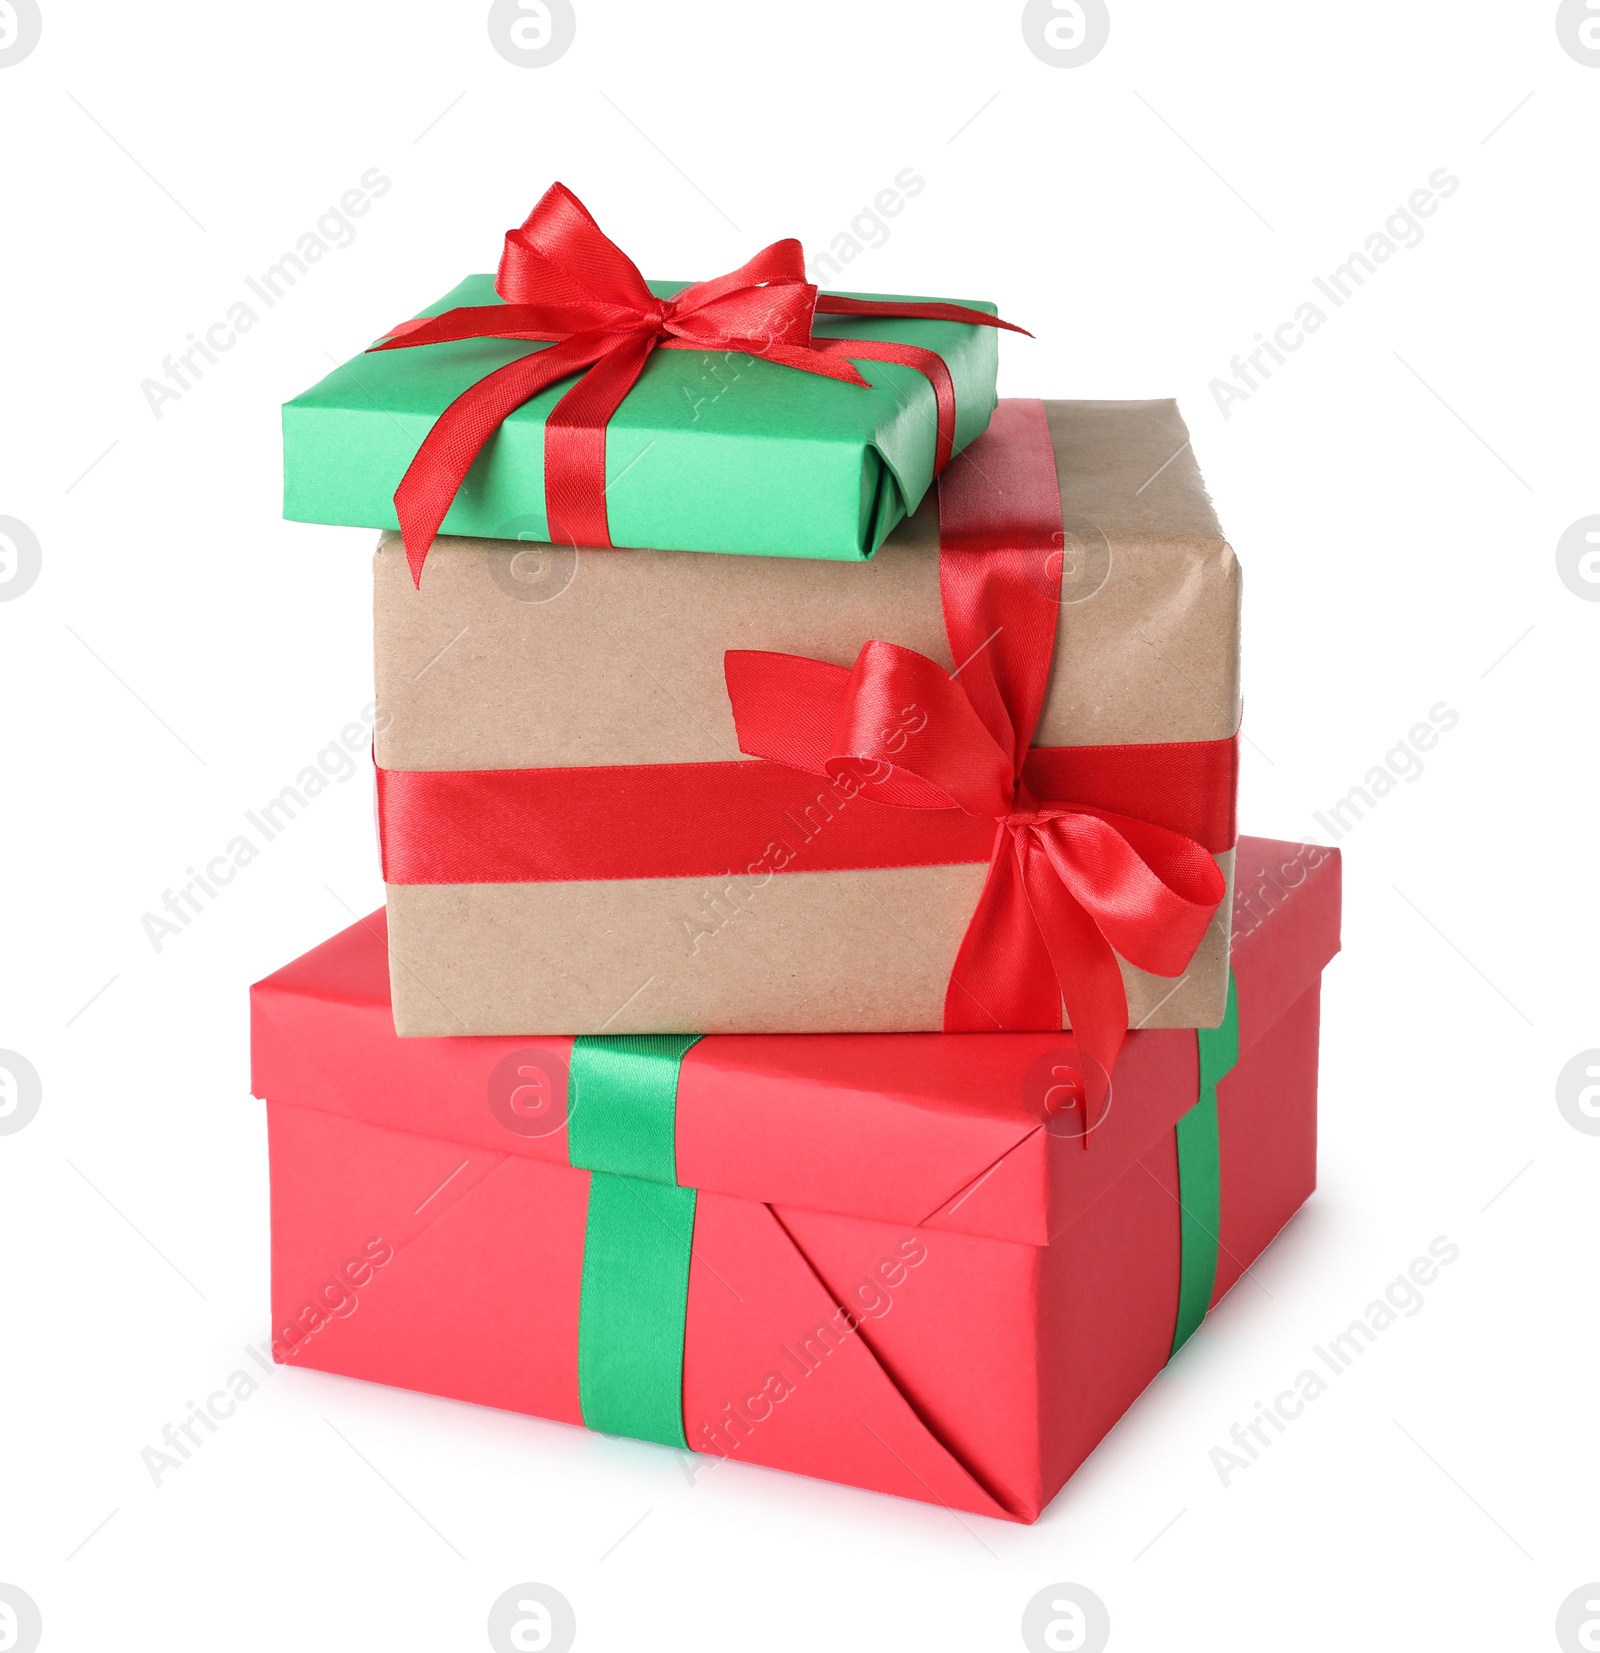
pixel 1092 851
pixel 565 282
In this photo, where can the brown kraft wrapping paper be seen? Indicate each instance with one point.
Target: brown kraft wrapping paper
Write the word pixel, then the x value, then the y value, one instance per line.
pixel 524 657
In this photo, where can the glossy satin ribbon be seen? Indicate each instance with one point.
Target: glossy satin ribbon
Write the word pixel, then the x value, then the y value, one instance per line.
pixel 622 1098
pixel 711 820
pixel 1071 883
pixel 639 1232
pixel 1092 851
pixel 565 282
pixel 1200 1175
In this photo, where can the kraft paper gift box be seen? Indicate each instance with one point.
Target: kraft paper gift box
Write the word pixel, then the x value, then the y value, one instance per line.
pixel 719 446
pixel 892 1261
pixel 605 674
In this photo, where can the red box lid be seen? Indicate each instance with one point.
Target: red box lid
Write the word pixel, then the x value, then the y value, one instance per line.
pixel 936 1130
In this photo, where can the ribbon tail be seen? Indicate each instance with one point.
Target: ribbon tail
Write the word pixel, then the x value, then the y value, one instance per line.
pixel 1003 980
pixel 785 706
pixel 434 476
pixel 473 321
pixel 1087 972
pixel 833 304
pixel 1152 893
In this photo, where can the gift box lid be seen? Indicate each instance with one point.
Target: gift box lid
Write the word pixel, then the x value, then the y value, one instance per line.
pixel 953 1131
pixel 710 450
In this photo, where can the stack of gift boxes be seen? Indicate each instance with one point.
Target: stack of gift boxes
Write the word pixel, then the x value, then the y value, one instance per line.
pixel 823 1015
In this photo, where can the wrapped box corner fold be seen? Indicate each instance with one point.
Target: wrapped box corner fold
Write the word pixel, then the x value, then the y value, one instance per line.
pixel 907 1272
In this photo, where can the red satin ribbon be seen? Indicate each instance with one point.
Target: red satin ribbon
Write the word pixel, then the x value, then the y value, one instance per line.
pixel 564 281
pixel 1092 851
pixel 721 820
pixel 1071 885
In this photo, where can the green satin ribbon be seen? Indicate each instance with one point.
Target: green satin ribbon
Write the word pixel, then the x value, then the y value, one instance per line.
pixel 1199 1174
pixel 622 1099
pixel 621 1128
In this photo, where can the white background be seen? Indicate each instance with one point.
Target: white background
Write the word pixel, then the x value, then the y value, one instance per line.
pixel 1396 494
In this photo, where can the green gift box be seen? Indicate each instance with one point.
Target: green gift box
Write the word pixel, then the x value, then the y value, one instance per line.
pixel 714 450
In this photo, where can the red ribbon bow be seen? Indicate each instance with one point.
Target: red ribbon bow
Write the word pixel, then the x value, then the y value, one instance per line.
pixel 564 281
pixel 1070 885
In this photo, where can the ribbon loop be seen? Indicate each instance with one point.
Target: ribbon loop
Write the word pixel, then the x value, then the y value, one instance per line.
pixel 1150 892
pixel 1071 885
pixel 902 711
pixel 560 256
pixel 568 284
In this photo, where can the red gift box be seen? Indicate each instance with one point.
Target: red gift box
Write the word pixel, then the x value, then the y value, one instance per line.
pixel 910 1270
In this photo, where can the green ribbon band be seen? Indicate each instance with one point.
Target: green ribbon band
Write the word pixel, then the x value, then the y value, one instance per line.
pixel 621 1127
pixel 622 1100
pixel 1200 1176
